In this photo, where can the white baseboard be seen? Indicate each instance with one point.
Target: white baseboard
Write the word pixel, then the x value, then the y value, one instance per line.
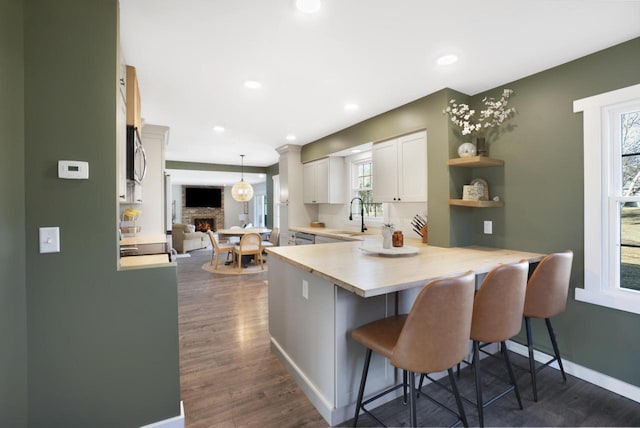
pixel 612 384
pixel 174 422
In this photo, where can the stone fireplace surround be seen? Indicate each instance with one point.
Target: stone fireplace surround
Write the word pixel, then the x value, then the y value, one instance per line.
pixel 189 215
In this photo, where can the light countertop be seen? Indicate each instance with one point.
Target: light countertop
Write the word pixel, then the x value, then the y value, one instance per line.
pixel 343 234
pixel 366 275
pixel 152 260
pixel 142 239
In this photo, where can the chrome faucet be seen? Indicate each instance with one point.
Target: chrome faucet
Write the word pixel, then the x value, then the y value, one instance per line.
pixel 362 227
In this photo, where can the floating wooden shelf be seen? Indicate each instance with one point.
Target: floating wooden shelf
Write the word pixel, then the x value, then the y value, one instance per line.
pixel 476 204
pixel 475 162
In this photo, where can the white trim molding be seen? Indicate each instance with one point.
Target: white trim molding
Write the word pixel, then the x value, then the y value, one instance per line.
pixel 174 422
pixel 602 380
pixel 598 287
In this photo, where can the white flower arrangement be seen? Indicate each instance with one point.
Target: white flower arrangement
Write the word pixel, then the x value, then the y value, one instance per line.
pixel 495 113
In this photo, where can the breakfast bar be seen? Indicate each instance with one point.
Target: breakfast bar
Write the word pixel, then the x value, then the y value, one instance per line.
pixel 319 293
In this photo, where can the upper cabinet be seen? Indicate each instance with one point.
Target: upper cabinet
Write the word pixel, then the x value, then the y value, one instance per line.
pixel 121 127
pixel 323 181
pixel 134 104
pixel 400 169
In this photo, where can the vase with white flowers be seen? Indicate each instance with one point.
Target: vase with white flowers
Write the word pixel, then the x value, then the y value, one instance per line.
pixel 487 124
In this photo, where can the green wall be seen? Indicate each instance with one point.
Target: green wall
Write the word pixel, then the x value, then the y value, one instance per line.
pixel 13 309
pixel 102 344
pixel 541 185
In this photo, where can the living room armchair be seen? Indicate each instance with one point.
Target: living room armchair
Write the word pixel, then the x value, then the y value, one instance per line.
pixel 184 240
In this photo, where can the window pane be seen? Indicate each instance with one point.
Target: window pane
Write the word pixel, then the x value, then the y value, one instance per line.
pixel 630 132
pixel 630 246
pixel 630 175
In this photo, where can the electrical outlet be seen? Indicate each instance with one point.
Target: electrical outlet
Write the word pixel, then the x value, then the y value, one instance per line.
pixel 305 289
pixel 488 227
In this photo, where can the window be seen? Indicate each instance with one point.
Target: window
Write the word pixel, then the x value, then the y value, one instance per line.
pixel 361 187
pixel 612 199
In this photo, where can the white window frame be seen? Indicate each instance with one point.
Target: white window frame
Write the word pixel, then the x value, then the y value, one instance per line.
pixel 353 161
pixel 601 229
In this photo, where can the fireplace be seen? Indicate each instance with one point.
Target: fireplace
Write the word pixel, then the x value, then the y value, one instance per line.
pixel 205 224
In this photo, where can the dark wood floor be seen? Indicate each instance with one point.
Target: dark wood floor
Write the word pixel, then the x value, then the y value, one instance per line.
pixel 230 378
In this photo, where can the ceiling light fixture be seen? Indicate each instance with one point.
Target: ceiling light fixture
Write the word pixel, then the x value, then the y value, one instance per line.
pixel 447 59
pixel 291 137
pixel 351 107
pixel 242 191
pixel 252 84
pixel 356 151
pixel 308 6
pixel 218 128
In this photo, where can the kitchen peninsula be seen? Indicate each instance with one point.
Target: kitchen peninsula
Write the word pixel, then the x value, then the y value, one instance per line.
pixel 319 293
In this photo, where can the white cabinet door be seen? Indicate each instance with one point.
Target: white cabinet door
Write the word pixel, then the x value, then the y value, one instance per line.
pixel 322 181
pixel 400 169
pixel 384 157
pixel 412 167
pixel 309 183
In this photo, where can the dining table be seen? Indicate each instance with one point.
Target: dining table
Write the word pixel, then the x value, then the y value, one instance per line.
pixel 240 232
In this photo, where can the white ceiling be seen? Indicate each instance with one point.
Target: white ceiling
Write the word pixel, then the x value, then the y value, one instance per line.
pixel 192 58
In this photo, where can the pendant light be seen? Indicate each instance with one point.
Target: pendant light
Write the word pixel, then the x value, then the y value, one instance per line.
pixel 242 191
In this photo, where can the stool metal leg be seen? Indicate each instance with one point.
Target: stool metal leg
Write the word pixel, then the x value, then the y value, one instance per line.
pixel 552 336
pixel 404 387
pixel 476 371
pixel 456 393
pixel 363 381
pixel 532 362
pixel 412 399
pixel 505 353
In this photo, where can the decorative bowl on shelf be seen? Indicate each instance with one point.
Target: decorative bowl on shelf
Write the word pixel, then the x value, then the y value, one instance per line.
pixel 466 150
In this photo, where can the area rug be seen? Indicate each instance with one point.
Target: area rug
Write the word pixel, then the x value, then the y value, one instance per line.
pixel 233 269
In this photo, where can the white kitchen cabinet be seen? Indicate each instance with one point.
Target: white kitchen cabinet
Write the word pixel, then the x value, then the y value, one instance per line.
pixel 323 181
pixel 121 127
pixel 400 169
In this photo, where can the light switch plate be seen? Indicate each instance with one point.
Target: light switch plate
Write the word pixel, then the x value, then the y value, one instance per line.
pixel 49 240
pixel 488 227
pixel 305 289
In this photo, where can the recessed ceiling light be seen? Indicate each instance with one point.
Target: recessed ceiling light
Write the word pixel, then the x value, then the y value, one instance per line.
pixel 218 128
pixel 308 6
pixel 252 84
pixel 351 107
pixel 356 151
pixel 447 59
pixel 291 137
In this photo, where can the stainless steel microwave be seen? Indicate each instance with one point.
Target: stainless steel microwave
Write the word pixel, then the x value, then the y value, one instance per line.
pixel 136 157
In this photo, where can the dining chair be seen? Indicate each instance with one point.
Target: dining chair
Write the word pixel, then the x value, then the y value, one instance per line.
pixel 433 337
pixel 546 297
pixel 218 248
pixel 273 238
pixel 250 244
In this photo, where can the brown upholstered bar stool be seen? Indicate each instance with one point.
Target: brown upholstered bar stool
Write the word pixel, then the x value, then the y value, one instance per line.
pixel 433 337
pixel 497 317
pixel 547 297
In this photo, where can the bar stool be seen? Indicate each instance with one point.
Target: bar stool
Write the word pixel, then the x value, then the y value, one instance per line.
pixel 433 337
pixel 497 317
pixel 547 297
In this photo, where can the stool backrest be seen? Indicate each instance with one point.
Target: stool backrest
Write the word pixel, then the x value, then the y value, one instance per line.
pixel 435 335
pixel 548 286
pixel 499 303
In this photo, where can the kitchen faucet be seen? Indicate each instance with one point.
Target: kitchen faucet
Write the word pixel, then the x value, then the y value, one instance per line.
pixel 362 227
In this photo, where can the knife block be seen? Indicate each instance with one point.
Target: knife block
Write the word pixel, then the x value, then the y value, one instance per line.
pixel 425 236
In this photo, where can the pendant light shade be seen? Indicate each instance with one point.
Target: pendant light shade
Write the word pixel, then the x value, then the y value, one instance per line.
pixel 242 191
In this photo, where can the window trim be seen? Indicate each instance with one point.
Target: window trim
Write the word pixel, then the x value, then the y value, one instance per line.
pixel 598 288
pixel 353 160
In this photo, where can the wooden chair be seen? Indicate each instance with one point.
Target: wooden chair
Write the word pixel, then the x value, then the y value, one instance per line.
pixel 250 244
pixel 218 248
pixel 433 337
pixel 273 238
pixel 547 297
